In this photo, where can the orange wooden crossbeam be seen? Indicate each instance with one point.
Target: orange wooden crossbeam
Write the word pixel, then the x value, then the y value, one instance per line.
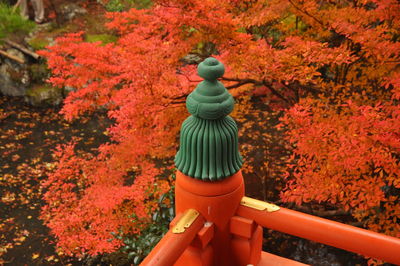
pixel 328 232
pixel 172 245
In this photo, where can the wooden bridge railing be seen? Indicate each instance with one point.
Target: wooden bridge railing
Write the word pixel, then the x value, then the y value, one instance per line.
pixel 244 224
pixel 172 245
pixel 350 238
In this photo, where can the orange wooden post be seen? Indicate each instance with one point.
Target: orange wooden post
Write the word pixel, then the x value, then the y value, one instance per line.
pixel 209 177
pixel 247 239
pixel 217 202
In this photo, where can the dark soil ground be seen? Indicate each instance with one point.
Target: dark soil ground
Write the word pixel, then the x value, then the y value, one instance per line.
pixel 27 137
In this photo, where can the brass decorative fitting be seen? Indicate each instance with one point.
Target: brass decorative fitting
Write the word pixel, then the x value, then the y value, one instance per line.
pixel 259 205
pixel 185 221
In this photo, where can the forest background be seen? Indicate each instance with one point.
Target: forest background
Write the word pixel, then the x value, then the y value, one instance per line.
pixel 317 87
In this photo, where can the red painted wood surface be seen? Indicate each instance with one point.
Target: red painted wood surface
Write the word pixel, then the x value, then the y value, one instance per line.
pixel 328 232
pixel 171 246
pixel 232 235
pixel 217 203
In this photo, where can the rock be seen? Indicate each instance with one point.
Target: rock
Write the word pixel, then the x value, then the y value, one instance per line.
pixel 40 95
pixel 39 42
pixel 39 73
pixel 14 77
pixel 68 90
pixel 71 11
pixel 8 86
pixel 192 59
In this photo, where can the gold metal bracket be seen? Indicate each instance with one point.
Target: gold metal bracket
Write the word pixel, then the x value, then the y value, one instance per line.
pixel 185 221
pixel 259 205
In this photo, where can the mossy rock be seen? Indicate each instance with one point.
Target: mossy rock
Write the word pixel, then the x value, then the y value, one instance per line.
pixel 124 5
pixel 15 75
pixel 39 43
pixel 103 38
pixel 13 81
pixel 44 95
pixel 39 73
pixel 57 31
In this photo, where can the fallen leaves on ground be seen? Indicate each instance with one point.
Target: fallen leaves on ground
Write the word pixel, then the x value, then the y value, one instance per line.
pixel 27 137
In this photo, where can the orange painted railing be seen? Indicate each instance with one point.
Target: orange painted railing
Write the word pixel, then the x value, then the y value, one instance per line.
pixel 244 224
pixel 172 245
pixel 327 232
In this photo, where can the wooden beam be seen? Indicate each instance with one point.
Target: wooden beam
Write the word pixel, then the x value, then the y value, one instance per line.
pixel 12 57
pixel 23 49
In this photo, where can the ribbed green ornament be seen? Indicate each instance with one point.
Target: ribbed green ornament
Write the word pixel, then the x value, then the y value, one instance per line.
pixel 209 140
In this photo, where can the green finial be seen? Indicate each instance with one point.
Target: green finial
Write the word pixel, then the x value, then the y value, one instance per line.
pixel 209 141
pixel 210 100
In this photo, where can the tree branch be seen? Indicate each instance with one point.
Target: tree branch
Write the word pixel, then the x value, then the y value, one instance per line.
pixel 275 92
pixel 241 82
pixel 322 213
pixel 23 49
pixel 306 13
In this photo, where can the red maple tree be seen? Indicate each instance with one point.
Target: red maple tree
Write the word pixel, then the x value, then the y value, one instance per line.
pixel 333 65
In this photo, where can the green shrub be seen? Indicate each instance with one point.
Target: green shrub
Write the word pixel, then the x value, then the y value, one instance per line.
pixel 12 22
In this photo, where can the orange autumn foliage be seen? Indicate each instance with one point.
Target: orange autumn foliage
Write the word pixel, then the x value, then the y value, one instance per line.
pixel 348 158
pixel 88 199
pixel 333 65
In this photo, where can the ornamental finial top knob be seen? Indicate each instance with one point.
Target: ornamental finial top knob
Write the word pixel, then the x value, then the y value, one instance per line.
pixel 210 99
pixel 211 69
